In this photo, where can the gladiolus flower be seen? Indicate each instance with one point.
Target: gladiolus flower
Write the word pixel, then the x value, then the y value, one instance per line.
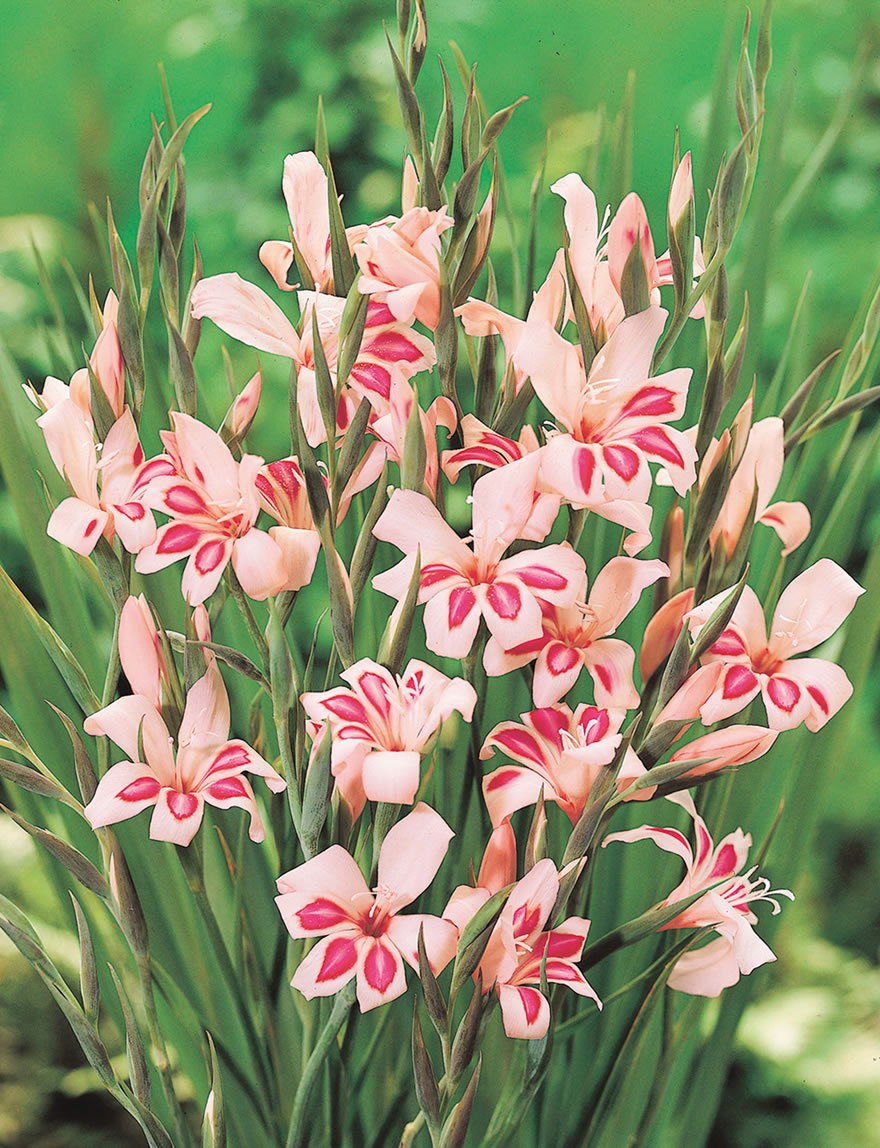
pixel 207 766
pixel 708 970
pixel 794 689
pixel 382 725
pixel 365 935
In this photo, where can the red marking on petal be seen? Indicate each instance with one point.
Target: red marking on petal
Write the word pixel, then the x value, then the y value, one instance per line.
pixel 340 957
pixel 738 680
pixel 595 724
pixel 90 528
pixel 531 1002
pixel 185 500
pixel 346 706
pixel 540 578
pixel 373 377
pixel 178 538
pixel 549 723
pixel 480 454
pixel 563 945
pixel 374 687
pixel 603 675
pixel 377 313
pixel 138 457
pixel 321 914
pixel 650 401
pixel 210 556
pixel 380 966
pixel 519 743
pixel 231 757
pixel 393 347
pixel 435 572
pixel 461 602
pixel 132 510
pixel 784 693
pixel 182 805
pixel 505 599
pixel 561 972
pixel 819 698
pixel 501 778
pixel 729 643
pixel 584 468
pixel 623 461
pixel 560 659
pixel 655 442
pixel 143 789
pixel 725 863
pixel 499 442
pixel 154 469
pixel 525 920
pixel 227 787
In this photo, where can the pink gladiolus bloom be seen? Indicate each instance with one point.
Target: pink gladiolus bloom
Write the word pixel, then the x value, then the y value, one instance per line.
pixel 497 870
pixel 601 299
pixel 389 350
pixel 708 970
pixel 79 522
pixel 612 419
pixel 662 631
pixel 520 946
pixel 281 489
pixel 735 745
pixel 382 725
pixel 304 184
pixel 243 411
pixel 577 636
pixel 400 264
pixel 460 584
pixel 485 447
pixel 811 690
pixel 365 935
pixel 561 755
pixel 206 767
pixel 760 470
pixel 140 651
pixel 212 502
pixel 390 429
pixel 107 366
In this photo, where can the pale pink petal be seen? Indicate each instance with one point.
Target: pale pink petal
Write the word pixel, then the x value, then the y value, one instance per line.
pixel 826 684
pixel 299 553
pixel 177 816
pixel 277 257
pixel 410 521
pixel 229 792
pixel 610 664
pixel 246 313
pixel 259 565
pixel 380 975
pixel 441 939
pixel 205 567
pixel 706 971
pixel 139 649
pixel 617 588
pixel 512 614
pixel 304 184
pixel 557 669
pixel 410 856
pixel 627 355
pixel 134 524
pixel 553 573
pixel 812 607
pixel 510 788
pixel 554 367
pixel 662 631
pixel 392 776
pixel 791 521
pixel 628 227
pixel 787 701
pixel 670 840
pixel 124 720
pixel 205 718
pixel 333 873
pixel 329 966
pixel 735 745
pixel 571 469
pixel 77 525
pixel 582 224
pixel 498 867
pixel 451 621
pixel 524 1011
pixel 736 687
pixel 502 503
pixel 123 791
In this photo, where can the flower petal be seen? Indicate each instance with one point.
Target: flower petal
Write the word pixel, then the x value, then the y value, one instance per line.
pixel 411 854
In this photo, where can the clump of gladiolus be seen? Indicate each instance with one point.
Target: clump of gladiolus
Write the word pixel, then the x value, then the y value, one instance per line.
pixel 514 630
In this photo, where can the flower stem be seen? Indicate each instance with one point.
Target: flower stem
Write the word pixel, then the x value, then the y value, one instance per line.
pixel 298 1129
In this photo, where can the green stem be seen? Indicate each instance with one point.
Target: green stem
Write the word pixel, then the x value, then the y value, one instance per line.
pixel 298 1130
pixel 182 1135
pixel 247 614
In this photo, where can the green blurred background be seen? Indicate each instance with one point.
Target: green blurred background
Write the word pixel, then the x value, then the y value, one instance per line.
pixel 79 82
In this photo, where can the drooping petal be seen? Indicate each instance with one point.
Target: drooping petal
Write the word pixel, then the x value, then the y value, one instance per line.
pixel 229 792
pixel 706 971
pixel 791 521
pixel 177 816
pixel 411 854
pixel 380 975
pixel 245 313
pixel 524 1011
pixel 77 525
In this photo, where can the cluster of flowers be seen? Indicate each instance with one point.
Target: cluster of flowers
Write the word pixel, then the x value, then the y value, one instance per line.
pixel 612 419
